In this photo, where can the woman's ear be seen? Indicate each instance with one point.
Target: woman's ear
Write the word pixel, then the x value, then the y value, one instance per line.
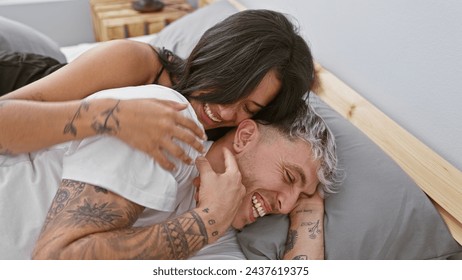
pixel 246 134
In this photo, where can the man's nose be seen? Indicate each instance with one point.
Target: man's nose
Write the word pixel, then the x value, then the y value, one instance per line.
pixel 286 202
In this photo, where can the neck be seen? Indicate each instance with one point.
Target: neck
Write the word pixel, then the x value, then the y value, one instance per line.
pixel 215 153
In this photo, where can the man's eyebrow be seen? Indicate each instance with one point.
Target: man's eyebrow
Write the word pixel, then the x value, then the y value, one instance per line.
pixel 299 170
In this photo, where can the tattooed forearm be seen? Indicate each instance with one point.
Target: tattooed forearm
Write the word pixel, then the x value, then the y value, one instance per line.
pixel 313 228
pixel 292 236
pixel 107 122
pixel 87 222
pixel 184 236
pixel 70 126
pixel 305 239
pixel 178 238
pixel 211 222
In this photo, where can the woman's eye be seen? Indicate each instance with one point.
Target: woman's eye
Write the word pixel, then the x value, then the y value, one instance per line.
pixel 248 111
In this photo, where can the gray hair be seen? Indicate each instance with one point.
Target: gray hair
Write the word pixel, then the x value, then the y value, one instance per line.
pixel 310 127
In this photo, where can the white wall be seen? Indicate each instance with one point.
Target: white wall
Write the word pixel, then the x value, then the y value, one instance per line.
pixel 68 22
pixel 405 56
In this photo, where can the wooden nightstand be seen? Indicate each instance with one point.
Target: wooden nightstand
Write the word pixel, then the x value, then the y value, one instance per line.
pixel 116 19
pixel 203 3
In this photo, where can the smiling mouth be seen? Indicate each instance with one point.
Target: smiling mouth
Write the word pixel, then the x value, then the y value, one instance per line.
pixel 257 208
pixel 209 113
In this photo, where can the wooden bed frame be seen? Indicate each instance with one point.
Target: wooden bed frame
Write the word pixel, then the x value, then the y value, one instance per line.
pixel 441 181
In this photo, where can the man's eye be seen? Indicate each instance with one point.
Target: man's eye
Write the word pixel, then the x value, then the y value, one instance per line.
pixel 290 177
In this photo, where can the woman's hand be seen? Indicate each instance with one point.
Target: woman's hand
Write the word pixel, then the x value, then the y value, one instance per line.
pixel 151 125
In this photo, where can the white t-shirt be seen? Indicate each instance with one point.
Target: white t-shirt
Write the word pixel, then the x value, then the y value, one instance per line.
pixel 32 180
pixel 109 163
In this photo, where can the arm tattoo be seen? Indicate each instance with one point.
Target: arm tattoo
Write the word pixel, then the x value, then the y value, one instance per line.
pixel 70 127
pixel 109 123
pixel 300 257
pixel 292 236
pixel 68 191
pixel 177 238
pixel 313 228
pixel 105 222
pixel 97 214
pixel 185 235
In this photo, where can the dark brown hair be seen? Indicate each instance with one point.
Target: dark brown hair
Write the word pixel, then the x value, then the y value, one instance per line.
pixel 232 57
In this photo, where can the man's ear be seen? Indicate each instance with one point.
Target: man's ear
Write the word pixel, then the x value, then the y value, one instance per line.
pixel 246 133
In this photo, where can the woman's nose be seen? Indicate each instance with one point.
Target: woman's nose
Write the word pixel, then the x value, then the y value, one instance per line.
pixel 227 112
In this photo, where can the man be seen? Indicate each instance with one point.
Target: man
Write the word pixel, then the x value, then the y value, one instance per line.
pixel 115 202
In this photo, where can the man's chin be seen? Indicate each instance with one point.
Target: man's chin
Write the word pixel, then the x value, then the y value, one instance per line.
pixel 240 226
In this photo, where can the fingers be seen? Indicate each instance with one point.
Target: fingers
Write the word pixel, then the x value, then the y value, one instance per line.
pixel 186 137
pixel 191 125
pixel 203 166
pixel 230 161
pixel 197 185
pixel 161 159
pixel 184 121
pixel 173 104
pixel 172 148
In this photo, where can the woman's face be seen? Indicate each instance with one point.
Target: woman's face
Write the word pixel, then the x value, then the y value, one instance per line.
pixel 227 115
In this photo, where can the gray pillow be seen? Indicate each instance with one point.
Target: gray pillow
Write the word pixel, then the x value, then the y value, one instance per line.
pixel 17 37
pixel 379 213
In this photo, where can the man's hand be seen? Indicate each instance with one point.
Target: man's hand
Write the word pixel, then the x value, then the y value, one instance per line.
pixel 220 194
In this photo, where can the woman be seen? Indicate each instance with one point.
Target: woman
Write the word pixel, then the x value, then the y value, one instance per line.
pixel 252 64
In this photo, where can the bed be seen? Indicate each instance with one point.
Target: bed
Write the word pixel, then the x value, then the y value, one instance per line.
pixel 400 199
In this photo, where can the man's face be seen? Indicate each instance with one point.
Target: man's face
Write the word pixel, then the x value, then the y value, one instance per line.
pixel 275 173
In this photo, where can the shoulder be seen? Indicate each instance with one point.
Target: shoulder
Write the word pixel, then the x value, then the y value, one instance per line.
pixel 128 46
pixel 137 59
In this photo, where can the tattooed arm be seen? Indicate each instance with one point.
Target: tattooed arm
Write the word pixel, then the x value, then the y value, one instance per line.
pixel 50 116
pixel 305 238
pixel 28 125
pixel 88 222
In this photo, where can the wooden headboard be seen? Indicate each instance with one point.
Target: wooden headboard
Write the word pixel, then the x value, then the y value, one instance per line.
pixel 441 181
